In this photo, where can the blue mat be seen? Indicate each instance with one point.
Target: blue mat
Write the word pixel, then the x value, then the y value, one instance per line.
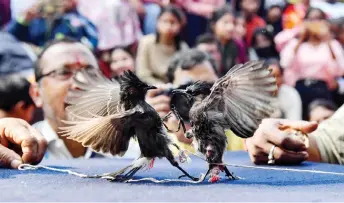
pixel 257 185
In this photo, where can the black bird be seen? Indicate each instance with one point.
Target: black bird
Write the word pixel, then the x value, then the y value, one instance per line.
pixel 104 115
pixel 237 101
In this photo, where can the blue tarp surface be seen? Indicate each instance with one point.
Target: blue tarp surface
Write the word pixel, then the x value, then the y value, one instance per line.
pixel 257 185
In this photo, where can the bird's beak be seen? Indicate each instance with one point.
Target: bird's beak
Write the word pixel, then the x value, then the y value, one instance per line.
pixel 151 87
pixel 178 91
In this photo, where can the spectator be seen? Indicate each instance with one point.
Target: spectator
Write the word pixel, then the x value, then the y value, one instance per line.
pixel 117 22
pixel 56 64
pixel 240 28
pixel 198 13
pixel 313 63
pixel 208 44
pixel 274 19
pixel 40 24
pixel 15 98
pixel 263 45
pixel 232 51
pixel 288 104
pixel 121 60
pixel 286 35
pixel 155 50
pixel 253 21
pixel 320 110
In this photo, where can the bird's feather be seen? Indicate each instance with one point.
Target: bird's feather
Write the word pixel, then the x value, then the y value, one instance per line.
pixel 96 95
pixel 242 98
pixel 107 134
pixel 95 117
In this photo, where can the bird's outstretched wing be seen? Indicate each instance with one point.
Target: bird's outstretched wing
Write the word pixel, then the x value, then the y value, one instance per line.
pixel 107 134
pixel 242 98
pixel 95 117
pixel 95 95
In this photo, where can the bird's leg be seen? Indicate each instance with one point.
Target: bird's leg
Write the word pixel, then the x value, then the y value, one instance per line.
pixel 175 164
pixel 129 175
pixel 113 176
pixel 229 174
pixel 181 121
pixel 167 116
pixel 203 177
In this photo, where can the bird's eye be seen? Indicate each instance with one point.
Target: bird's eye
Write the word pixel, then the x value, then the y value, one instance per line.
pixel 132 90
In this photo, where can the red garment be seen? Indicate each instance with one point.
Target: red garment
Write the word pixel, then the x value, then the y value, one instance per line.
pixel 251 25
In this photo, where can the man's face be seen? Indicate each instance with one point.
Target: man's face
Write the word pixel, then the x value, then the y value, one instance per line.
pixel 51 91
pixel 202 72
pixel 212 50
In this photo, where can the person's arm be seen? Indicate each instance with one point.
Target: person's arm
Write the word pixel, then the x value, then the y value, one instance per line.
pixel 20 27
pixel 288 62
pixel 336 65
pixel 328 140
pixel 20 143
pixel 143 64
pixel 282 38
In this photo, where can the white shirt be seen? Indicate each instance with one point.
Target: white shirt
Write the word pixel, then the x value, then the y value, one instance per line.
pixel 58 150
pixel 290 102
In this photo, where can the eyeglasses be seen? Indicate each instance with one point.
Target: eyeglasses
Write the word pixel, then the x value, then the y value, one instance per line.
pixel 64 73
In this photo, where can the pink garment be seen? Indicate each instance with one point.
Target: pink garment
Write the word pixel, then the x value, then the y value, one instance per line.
pixel 282 38
pixel 201 7
pixel 116 20
pixel 312 62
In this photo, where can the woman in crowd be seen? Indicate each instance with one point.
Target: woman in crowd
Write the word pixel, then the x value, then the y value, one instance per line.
pixel 222 25
pixel 114 62
pixel 313 63
pixel 155 50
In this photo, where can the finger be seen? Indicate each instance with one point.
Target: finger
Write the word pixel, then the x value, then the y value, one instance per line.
pixel 153 92
pixel 303 126
pixel 285 157
pixel 9 158
pixel 30 150
pixel 162 108
pixel 283 139
pixel 42 144
pixel 159 99
pixel 23 137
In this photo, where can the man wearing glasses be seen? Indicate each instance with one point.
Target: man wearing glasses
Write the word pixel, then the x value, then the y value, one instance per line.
pixel 55 68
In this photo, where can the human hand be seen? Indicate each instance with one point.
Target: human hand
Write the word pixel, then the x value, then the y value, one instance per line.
pixel 33 12
pixel 289 149
pixel 20 143
pixel 161 103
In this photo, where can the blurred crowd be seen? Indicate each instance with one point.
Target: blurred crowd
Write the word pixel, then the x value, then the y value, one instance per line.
pixel 169 44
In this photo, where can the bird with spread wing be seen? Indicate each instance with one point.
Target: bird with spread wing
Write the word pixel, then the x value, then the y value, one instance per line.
pixel 238 101
pixel 104 115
